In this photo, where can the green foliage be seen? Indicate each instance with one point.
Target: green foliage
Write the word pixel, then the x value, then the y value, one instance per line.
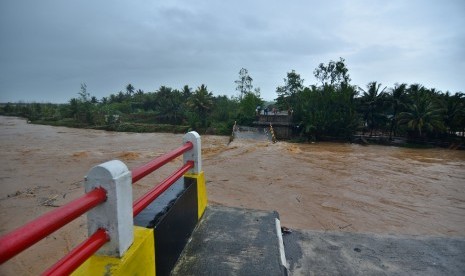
pixel 244 83
pixel 423 113
pixel 141 128
pixel 333 109
pixel 200 103
pixel 130 90
pixel 333 74
pixel 220 128
pixel 224 109
pixel 247 108
pixel 33 111
pixel 454 111
pixel 169 105
pixel 372 104
pixel 327 111
pixel 322 111
pixel 288 93
pixel 396 100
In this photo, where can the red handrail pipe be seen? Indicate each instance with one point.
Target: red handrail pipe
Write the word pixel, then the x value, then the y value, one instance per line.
pixel 25 236
pixel 140 172
pixel 79 255
pixel 155 192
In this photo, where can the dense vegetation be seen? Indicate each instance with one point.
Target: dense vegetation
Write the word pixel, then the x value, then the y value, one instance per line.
pixel 337 109
pixel 165 110
pixel 334 108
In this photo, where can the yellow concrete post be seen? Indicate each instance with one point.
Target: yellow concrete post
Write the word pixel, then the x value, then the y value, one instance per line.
pixel 138 260
pixel 201 191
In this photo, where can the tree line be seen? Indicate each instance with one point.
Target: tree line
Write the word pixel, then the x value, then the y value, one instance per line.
pixel 331 109
pixel 166 109
pixel 336 108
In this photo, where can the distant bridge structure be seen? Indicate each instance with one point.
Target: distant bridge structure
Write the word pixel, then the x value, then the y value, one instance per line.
pixel 281 122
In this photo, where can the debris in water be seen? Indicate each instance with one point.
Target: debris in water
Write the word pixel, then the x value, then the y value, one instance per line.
pixel 285 230
pixel 343 227
pixel 50 202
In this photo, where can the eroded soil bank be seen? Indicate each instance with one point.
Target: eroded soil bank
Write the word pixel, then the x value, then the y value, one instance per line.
pixel 321 186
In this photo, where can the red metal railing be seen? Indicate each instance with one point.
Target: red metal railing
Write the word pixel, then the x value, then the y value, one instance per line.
pixel 29 234
pixel 79 255
pixel 155 192
pixel 140 172
pixel 20 239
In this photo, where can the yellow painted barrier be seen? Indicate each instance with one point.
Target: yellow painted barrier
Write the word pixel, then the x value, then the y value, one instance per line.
pixel 138 260
pixel 140 257
pixel 201 192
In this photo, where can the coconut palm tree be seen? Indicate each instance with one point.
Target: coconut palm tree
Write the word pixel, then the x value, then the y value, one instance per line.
pixel 168 104
pixel 397 98
pixel 186 92
pixel 201 102
pixel 372 101
pixel 129 90
pixel 454 111
pixel 422 115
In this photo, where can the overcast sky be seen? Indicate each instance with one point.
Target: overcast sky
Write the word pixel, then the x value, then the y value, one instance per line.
pixel 48 48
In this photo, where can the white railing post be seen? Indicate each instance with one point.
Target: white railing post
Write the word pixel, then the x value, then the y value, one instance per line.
pixel 195 154
pixel 115 214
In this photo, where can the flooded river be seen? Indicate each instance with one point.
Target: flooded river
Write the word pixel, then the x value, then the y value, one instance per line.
pixel 321 186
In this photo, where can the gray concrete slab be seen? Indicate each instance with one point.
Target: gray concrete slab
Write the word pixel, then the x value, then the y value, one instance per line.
pixel 342 253
pixel 231 241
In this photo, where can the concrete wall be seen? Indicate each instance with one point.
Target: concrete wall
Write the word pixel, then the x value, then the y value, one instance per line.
pixel 282 125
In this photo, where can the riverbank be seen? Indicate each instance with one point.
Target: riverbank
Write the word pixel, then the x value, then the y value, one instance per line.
pixel 320 186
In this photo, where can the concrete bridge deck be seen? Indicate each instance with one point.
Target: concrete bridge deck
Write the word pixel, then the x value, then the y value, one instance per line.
pixel 231 241
pixel 343 253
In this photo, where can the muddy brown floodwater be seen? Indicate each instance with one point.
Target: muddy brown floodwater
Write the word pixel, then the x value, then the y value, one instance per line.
pixel 321 186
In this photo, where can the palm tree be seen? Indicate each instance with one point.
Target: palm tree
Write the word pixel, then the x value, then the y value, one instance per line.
pixel 201 102
pixel 397 99
pixel 372 101
pixel 422 114
pixel 454 111
pixel 416 92
pixel 186 92
pixel 130 89
pixel 168 104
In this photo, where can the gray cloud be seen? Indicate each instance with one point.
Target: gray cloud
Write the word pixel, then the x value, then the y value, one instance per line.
pixel 49 47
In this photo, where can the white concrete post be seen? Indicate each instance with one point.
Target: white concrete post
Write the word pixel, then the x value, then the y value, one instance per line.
pixel 195 154
pixel 115 214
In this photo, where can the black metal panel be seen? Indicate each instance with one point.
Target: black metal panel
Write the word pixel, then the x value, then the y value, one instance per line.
pixel 152 214
pixel 173 217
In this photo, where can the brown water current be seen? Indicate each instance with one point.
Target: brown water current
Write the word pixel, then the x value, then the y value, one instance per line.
pixel 321 186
